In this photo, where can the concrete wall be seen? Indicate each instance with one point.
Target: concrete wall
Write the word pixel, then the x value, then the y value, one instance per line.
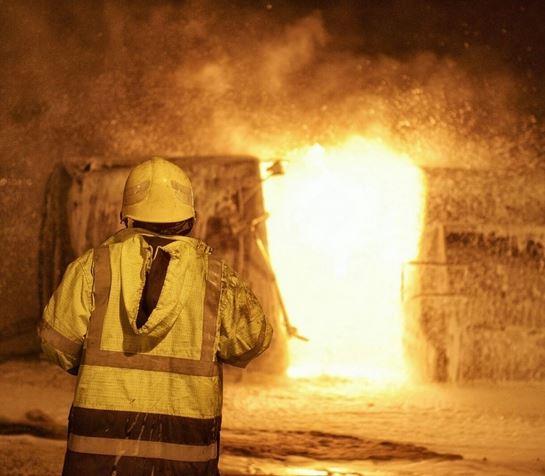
pixel 475 299
pixel 21 211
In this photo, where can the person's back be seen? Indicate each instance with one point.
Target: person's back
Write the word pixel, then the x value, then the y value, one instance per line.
pixel 146 321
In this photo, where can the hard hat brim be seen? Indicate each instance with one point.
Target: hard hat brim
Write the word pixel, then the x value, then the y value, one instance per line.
pixel 183 212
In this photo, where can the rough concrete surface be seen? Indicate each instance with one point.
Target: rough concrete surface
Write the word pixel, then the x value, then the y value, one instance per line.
pixel 474 299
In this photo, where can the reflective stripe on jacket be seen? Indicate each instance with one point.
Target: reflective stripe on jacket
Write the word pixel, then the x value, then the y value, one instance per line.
pixel 148 397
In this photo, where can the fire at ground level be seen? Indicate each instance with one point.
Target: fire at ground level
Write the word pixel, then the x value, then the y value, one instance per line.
pixel 311 427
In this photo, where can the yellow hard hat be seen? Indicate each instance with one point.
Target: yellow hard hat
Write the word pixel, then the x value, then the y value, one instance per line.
pixel 157 191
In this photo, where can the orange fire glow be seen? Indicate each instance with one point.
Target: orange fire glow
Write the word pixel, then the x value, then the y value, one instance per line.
pixel 343 221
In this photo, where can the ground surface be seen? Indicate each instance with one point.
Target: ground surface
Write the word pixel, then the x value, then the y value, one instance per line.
pixel 323 427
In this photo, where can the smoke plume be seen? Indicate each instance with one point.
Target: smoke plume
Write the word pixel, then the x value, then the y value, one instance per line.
pixel 119 79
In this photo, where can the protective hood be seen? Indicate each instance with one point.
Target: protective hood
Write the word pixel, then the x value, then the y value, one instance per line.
pixel 185 267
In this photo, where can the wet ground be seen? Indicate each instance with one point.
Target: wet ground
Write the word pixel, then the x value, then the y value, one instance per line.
pixel 314 427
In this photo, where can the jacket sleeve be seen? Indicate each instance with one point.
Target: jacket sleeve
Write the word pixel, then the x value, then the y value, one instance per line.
pixel 65 318
pixel 244 332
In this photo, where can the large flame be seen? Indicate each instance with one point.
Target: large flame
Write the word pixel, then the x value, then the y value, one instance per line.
pixel 343 221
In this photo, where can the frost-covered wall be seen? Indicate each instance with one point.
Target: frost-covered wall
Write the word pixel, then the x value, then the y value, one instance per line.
pixel 475 298
pixel 83 204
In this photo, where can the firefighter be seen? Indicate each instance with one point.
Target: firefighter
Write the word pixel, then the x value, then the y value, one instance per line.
pixel 146 321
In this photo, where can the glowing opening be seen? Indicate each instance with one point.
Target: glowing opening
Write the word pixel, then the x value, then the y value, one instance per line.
pixel 343 220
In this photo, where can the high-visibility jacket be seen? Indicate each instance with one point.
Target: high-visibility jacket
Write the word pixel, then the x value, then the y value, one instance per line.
pixel 149 395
